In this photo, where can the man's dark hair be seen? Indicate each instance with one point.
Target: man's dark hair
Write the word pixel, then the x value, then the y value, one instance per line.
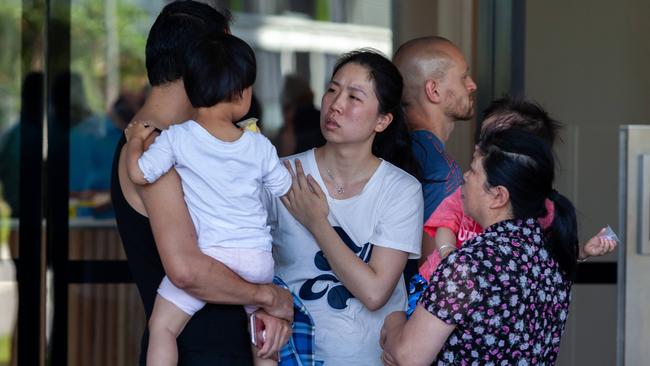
pixel 217 68
pixel 519 113
pixel 178 24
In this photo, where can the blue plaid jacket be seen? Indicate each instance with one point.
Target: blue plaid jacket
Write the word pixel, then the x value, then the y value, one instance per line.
pixel 299 351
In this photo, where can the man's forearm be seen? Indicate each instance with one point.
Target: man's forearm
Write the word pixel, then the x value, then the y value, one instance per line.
pixel 189 268
pixel 212 281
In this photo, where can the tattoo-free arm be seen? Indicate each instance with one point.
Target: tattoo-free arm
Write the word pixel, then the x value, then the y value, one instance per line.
pixel 134 150
pixel 372 283
pixel 191 270
pixel 416 341
pixel 445 241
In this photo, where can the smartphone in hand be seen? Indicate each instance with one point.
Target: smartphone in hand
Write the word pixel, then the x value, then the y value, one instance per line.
pixel 256 329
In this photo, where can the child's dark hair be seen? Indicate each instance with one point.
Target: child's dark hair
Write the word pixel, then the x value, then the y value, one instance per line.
pixel 217 68
pixel 508 112
pixel 176 26
pixel 394 143
pixel 524 164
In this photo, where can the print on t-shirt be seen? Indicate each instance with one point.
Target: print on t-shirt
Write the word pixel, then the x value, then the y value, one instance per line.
pixel 337 294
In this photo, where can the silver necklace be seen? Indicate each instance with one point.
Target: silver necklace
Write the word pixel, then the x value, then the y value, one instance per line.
pixel 339 188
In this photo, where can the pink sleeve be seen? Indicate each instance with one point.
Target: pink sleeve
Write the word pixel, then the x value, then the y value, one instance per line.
pixel 546 221
pixel 427 268
pixel 448 214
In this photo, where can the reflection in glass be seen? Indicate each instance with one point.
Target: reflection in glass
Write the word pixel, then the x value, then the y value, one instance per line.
pixel 107 60
pixel 17 96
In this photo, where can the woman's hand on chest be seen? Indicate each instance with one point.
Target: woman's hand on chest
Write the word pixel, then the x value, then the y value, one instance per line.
pixel 306 201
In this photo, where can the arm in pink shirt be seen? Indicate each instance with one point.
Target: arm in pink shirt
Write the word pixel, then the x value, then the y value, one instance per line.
pixel 443 226
pixel 448 214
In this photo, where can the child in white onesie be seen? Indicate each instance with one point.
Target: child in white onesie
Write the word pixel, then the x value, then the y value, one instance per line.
pixel 223 172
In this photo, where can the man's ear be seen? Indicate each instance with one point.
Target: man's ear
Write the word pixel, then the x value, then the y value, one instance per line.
pixel 432 91
pixel 501 197
pixel 383 121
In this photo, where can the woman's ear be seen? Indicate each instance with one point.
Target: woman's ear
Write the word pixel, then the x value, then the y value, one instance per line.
pixel 383 122
pixel 500 197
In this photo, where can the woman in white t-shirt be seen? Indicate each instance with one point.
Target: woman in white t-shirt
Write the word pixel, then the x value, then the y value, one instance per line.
pixel 343 233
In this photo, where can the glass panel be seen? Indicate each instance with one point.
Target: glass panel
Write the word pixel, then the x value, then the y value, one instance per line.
pixel 108 85
pixel 8 286
pixel 21 83
pixel 95 240
pixel 10 86
pixel 105 325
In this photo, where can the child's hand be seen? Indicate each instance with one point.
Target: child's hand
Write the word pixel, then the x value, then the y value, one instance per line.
pixel 597 246
pixel 138 130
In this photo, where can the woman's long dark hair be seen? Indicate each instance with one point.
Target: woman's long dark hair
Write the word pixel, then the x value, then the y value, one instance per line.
pixel 394 143
pixel 524 164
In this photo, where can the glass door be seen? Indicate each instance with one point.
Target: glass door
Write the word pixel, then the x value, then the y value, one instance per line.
pixel 22 116
pixel 72 74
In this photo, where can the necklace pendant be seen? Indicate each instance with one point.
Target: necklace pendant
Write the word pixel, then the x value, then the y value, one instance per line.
pixel 339 189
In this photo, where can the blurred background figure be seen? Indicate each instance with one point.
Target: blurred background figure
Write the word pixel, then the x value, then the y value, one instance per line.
pixel 31 96
pixel 301 120
pixel 92 144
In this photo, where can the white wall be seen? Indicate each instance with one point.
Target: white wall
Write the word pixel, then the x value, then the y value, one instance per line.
pixel 587 62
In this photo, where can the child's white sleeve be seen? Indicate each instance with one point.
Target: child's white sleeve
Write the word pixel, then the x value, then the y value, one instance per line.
pixel 271 205
pixel 158 158
pixel 276 177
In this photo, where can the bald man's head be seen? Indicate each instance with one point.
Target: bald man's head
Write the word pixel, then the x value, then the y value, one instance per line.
pixel 424 58
pixel 438 89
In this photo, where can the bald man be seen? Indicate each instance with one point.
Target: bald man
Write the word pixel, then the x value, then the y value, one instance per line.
pixel 438 91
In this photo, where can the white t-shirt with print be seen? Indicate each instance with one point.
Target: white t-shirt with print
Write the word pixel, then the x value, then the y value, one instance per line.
pixel 223 182
pixel 387 213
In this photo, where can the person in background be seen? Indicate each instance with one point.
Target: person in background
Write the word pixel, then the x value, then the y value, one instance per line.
pixel 438 91
pixel 92 144
pixel 300 130
pixel 31 116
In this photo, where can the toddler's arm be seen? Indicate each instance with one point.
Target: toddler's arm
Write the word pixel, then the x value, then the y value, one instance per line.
pixel 445 241
pixel 443 225
pixel 136 133
pixel 276 176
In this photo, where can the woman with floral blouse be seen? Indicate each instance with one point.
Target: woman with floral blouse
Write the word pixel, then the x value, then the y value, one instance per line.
pixel 503 298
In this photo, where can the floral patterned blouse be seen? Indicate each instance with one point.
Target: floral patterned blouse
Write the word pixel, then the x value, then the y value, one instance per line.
pixel 506 295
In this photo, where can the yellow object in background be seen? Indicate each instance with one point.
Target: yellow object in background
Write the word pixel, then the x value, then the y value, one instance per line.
pixel 249 124
pixel 5 219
